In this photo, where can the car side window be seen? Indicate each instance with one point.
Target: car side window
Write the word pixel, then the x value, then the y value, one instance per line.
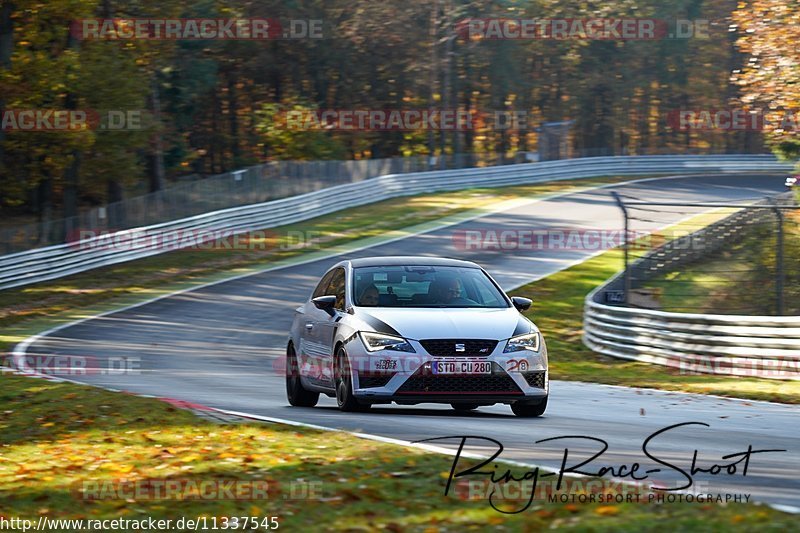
pixel 337 286
pixel 322 288
pixel 485 296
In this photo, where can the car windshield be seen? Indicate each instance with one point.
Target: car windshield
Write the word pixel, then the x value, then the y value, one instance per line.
pixel 425 286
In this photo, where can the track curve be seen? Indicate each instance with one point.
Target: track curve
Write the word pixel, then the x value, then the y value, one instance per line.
pixel 215 345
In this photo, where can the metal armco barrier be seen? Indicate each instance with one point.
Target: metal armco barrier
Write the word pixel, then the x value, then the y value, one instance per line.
pixel 692 343
pixel 54 262
pixel 752 346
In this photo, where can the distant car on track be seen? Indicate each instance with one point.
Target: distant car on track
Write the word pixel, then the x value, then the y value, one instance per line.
pixel 411 330
pixel 791 181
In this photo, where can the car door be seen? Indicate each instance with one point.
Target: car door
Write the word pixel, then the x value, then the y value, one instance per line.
pixel 312 350
pixel 326 324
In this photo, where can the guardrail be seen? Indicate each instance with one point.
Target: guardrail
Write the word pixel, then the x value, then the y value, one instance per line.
pixel 693 343
pixel 753 346
pixel 54 262
pixel 257 184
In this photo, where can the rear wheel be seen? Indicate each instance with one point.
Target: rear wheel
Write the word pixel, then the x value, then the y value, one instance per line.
pixel 529 410
pixel 344 384
pixel 297 395
pixel 464 407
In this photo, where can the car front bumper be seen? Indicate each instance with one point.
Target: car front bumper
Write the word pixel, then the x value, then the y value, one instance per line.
pixel 407 378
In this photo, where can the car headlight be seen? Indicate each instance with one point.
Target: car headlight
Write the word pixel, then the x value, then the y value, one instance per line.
pixel 379 341
pixel 528 342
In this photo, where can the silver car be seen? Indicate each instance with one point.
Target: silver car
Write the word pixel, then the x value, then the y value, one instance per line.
pixel 410 330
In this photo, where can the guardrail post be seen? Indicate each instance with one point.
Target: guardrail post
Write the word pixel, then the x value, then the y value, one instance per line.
pixel 625 246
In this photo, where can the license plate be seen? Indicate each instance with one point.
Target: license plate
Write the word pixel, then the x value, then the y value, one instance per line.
pixel 461 367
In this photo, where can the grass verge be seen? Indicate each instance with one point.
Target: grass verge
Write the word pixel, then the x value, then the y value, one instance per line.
pixel 741 278
pixel 61 443
pixel 560 317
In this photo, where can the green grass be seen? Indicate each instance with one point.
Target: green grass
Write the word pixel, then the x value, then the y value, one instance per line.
pixel 740 279
pixel 559 314
pixel 27 310
pixel 58 438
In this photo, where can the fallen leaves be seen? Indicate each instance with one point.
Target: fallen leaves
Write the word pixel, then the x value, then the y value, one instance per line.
pixel 607 510
pixel 360 482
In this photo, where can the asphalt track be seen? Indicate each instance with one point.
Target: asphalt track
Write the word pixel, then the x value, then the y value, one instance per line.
pixel 216 345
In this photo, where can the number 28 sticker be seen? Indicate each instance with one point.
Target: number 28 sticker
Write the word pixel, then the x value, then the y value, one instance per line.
pixel 517 365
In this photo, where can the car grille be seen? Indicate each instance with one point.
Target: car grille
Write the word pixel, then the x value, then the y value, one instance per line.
pixel 534 379
pixel 447 347
pixel 369 382
pixel 423 383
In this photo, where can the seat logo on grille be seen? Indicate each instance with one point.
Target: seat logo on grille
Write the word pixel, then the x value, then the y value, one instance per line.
pixel 461 347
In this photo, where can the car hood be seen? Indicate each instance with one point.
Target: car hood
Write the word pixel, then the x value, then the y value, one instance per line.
pixel 436 323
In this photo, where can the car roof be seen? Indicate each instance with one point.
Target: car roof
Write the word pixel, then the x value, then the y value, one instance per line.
pixel 410 260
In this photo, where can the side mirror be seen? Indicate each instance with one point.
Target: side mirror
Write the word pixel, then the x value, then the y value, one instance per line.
pixel 325 303
pixel 522 304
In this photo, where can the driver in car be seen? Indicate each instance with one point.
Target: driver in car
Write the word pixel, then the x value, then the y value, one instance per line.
pixel 448 291
pixel 369 296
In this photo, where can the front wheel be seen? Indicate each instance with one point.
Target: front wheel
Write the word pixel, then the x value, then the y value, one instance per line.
pixel 344 384
pixel 297 395
pixel 529 410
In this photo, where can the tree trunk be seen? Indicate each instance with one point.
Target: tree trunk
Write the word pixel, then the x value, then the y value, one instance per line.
pixel 6 45
pixel 217 150
pixel 71 178
pixel 157 172
pixel 434 74
pixel 233 110
pixel 72 173
pixel 447 60
pixel 458 140
pixel 115 213
pixel 469 135
pixel 44 201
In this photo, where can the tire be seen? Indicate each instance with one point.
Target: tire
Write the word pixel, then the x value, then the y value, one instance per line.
pixel 344 384
pixel 464 407
pixel 297 395
pixel 529 410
